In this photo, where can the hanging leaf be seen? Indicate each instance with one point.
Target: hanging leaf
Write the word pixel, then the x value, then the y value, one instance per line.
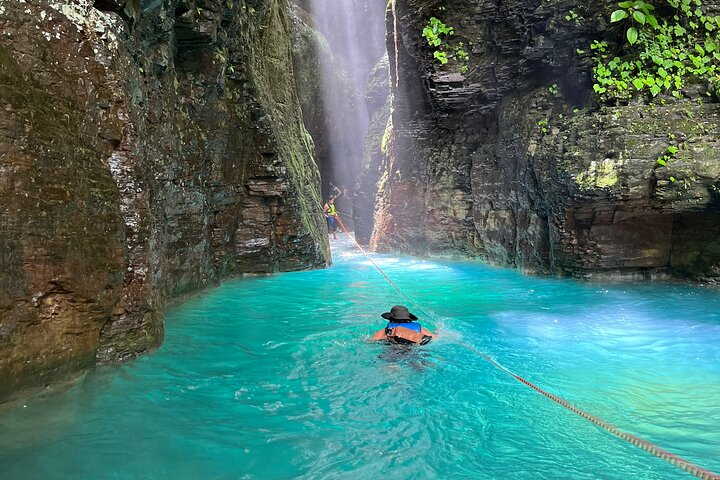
pixel 618 15
pixel 632 35
pixel 639 17
pixel 652 21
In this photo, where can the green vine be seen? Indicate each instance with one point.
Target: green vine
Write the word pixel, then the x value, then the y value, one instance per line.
pixel 665 47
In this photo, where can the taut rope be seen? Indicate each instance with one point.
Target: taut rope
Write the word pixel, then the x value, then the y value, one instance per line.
pixel 649 447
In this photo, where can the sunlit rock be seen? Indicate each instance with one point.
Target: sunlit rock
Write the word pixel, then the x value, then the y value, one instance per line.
pixel 508 157
pixel 147 150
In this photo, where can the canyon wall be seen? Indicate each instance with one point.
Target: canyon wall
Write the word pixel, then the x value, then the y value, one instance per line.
pixel 147 150
pixel 512 159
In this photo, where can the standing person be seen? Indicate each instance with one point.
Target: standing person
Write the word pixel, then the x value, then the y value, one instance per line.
pixel 330 213
pixel 402 328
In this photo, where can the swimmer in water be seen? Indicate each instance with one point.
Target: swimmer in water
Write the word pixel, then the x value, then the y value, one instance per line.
pixel 402 328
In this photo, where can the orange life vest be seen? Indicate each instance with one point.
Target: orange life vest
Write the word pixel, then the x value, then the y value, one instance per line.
pixel 406 333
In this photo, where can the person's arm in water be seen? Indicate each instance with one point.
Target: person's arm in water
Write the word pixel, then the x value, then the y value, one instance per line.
pixel 427 332
pixel 379 335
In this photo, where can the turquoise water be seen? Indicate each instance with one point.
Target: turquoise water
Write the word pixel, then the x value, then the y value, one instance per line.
pixel 272 378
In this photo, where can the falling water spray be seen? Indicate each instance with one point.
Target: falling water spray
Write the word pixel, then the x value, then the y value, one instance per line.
pixel 355 34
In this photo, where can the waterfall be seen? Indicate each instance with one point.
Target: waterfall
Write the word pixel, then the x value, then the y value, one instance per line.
pixel 355 34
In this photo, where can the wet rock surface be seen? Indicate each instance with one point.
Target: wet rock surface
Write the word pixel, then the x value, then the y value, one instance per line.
pixel 147 150
pixel 375 151
pixel 514 161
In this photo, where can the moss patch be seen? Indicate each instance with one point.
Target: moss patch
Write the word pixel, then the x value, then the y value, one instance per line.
pixel 602 174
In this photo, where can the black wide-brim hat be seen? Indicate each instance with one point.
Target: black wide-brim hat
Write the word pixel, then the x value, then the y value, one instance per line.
pixel 398 312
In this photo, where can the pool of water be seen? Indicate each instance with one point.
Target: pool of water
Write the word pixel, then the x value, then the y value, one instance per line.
pixel 272 377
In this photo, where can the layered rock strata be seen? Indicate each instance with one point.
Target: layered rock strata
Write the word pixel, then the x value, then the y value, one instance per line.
pixel 147 150
pixel 513 160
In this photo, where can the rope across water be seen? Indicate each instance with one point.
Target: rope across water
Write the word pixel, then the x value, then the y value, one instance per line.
pixel 649 447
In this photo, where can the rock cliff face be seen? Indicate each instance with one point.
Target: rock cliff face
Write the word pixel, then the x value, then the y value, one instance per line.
pixel 375 150
pixel 513 161
pixel 147 149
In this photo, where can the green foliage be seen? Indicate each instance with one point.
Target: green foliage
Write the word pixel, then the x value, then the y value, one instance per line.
pixel 436 31
pixel 574 16
pixel 462 57
pixel 543 124
pixel 664 48
pixel 669 154
pixel 460 54
pixel 436 34
pixel 553 89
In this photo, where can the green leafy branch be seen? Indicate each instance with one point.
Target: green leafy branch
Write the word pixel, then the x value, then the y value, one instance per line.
pixel 662 51
pixel 437 33
pixel 636 11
